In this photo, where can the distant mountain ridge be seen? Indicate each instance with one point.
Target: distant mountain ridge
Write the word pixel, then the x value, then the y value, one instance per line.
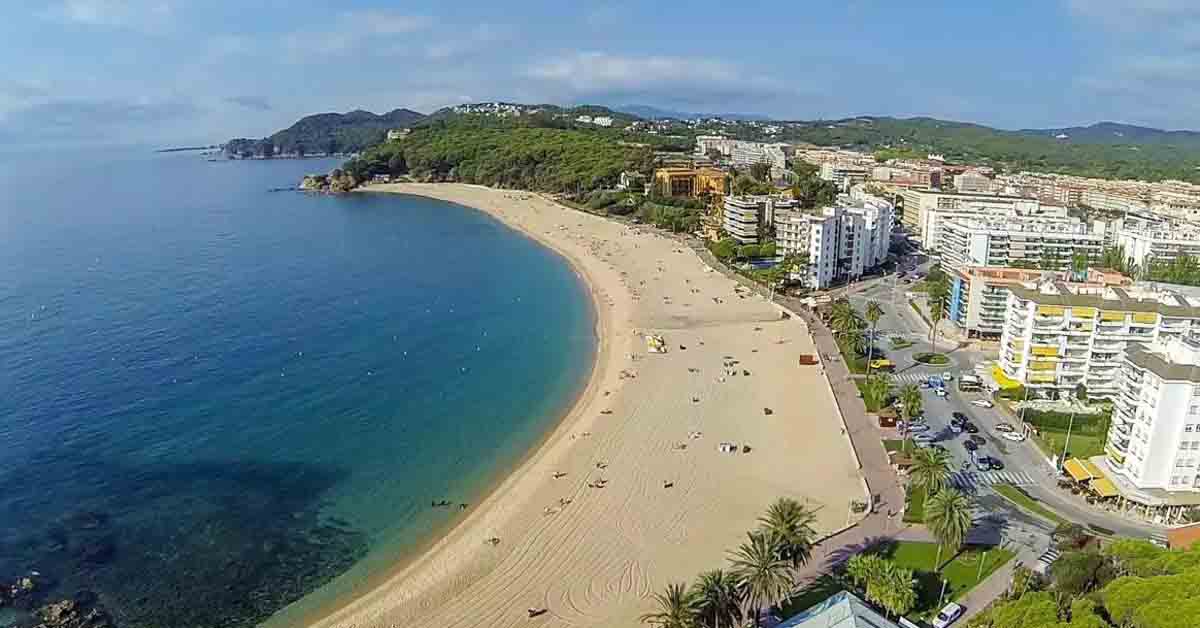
pixel 328 133
pixel 1118 133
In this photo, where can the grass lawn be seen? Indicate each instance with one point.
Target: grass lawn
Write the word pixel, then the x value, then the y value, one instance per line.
pixel 960 574
pixel 1021 499
pixel 815 593
pixel 900 343
pixel 895 444
pixel 933 359
pixel 914 509
pixel 1082 445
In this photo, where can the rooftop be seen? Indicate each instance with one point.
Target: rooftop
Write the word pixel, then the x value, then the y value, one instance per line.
pixel 1132 299
pixel 844 610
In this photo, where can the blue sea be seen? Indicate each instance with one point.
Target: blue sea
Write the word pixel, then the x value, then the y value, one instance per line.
pixel 216 400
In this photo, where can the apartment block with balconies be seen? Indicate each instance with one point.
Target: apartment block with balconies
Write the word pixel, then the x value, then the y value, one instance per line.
pixel 1153 443
pixel 1058 336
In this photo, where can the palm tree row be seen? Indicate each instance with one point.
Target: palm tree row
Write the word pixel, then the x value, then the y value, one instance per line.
pixel 947 510
pixel 883 582
pixel 761 574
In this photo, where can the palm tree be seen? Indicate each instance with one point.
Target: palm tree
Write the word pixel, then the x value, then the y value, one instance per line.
pixel 948 517
pixel 677 608
pixel 719 599
pixel 910 407
pixel 764 578
pixel 852 342
pixel 936 314
pixel 931 470
pixel 873 313
pixel 844 318
pixel 788 524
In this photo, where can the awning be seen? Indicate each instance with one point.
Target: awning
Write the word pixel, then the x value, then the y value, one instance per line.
pixel 1074 467
pixel 1104 487
pixel 1004 381
pixel 1091 467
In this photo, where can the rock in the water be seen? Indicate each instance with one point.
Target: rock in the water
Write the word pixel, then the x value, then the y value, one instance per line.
pixel 70 614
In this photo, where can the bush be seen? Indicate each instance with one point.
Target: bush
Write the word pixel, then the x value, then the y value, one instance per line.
pixel 934 359
pixel 723 250
pixel 1012 394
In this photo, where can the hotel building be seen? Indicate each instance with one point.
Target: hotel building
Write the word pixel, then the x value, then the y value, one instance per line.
pixel 1157 241
pixel 744 217
pixel 1057 335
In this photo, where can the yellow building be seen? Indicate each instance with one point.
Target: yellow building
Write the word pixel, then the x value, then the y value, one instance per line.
pixel 690 182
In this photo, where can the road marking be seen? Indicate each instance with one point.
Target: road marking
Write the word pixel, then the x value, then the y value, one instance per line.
pixel 969 480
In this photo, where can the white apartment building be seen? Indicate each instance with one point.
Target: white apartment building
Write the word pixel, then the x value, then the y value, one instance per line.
pixel 743 153
pixel 1058 335
pixel 841 242
pixel 843 176
pixel 1154 442
pixel 1145 241
pixel 924 208
pixel 1111 201
pixel 972 182
pixel 1049 244
pixel 744 216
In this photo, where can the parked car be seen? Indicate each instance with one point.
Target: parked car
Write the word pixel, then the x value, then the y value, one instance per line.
pixel 948 615
pixel 978 440
pixel 958 417
pixel 983 463
pixel 1015 437
pixel 941 392
pixel 956 427
pixel 922 438
pixel 970 445
pixel 995 464
pixel 982 403
pixel 948 376
pixel 918 427
pixel 1005 427
pixel 970 427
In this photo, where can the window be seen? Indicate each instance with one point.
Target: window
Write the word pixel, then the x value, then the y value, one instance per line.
pixel 1187 428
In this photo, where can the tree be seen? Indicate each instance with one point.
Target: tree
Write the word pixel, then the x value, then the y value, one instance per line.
pixel 873 313
pixel 931 470
pixel 789 525
pixel 764 578
pixel 844 318
pixel 677 608
pixel 1080 572
pixel 911 406
pixel 935 316
pixel 948 517
pixel 875 391
pixel 883 582
pixel 718 599
pixel 761 171
pixel 397 165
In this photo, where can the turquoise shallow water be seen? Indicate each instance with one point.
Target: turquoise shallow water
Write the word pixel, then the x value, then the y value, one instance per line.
pixel 216 399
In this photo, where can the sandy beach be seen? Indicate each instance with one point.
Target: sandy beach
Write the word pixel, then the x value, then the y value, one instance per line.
pixel 631 492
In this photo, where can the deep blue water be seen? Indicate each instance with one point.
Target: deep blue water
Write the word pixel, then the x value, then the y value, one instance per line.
pixel 215 398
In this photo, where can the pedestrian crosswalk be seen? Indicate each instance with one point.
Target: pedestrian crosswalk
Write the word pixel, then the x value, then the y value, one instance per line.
pixel 901 379
pixel 969 480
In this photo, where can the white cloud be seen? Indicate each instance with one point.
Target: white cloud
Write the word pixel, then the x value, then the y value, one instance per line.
pixel 144 15
pixel 604 77
pixel 353 30
pixel 1146 67
pixel 477 39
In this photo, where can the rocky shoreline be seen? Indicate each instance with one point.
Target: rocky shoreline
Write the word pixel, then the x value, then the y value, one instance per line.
pixel 27 595
pixel 336 182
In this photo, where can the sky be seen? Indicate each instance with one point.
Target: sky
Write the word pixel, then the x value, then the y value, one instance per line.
pixel 185 72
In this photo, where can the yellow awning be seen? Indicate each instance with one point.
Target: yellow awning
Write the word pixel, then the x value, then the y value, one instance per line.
pixel 1002 380
pixel 1075 468
pixel 1104 487
pixel 1091 467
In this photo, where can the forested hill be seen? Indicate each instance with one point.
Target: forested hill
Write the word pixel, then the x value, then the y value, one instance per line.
pixel 1148 154
pixel 326 133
